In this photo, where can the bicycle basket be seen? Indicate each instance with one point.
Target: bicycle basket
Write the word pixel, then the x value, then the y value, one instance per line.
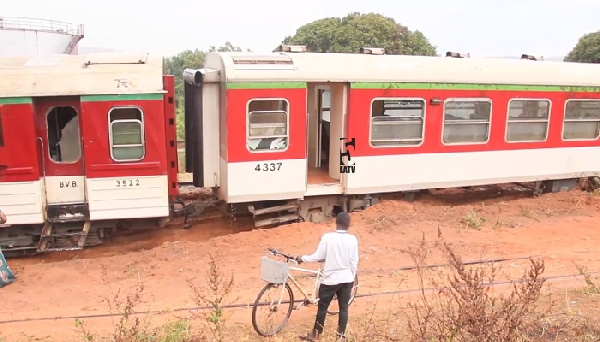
pixel 272 271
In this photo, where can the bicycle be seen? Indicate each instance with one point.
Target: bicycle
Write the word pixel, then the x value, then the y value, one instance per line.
pixel 277 275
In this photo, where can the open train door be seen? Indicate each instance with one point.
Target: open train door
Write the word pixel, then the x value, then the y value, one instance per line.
pixel 327 108
pixel 58 128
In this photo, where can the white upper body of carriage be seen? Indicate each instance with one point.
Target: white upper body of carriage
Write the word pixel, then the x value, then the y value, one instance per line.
pixel 342 67
pixel 91 74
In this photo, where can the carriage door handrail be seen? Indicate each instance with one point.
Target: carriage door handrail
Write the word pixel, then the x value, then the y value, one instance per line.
pixel 85 194
pixel 43 166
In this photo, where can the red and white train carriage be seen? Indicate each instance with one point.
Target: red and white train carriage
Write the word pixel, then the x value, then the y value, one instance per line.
pixel 415 123
pixel 87 142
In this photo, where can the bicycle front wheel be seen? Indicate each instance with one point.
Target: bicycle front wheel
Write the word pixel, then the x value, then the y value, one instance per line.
pixel 334 307
pixel 278 302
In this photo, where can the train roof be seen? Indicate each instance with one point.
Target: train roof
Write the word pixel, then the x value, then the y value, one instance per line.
pixel 356 68
pixel 91 74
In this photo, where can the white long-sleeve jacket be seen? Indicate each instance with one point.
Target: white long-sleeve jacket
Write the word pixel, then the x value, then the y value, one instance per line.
pixel 339 249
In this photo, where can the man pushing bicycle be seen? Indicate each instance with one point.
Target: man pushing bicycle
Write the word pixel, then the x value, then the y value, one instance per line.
pixel 339 249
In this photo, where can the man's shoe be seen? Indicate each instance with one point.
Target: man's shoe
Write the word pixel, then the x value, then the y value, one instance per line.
pixel 312 336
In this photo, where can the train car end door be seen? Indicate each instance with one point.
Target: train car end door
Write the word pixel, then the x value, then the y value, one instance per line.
pixel 58 122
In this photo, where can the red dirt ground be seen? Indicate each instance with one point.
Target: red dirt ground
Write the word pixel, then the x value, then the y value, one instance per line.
pixel 561 228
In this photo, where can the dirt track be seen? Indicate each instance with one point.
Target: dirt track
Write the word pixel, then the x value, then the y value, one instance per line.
pixel 561 228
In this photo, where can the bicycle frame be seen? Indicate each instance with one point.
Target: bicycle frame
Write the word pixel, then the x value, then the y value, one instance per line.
pixel 309 299
pixel 312 297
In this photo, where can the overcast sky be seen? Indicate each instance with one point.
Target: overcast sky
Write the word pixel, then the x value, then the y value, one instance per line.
pixel 484 28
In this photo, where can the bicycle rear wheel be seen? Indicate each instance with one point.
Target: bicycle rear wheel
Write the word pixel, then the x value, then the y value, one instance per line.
pixel 269 297
pixel 334 307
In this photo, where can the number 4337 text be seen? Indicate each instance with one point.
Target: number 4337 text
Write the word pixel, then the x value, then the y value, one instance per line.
pixel 268 167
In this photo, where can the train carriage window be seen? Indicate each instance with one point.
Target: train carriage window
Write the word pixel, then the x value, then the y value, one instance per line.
pixel 64 141
pixel 582 120
pixel 397 122
pixel 126 134
pixel 267 125
pixel 467 121
pixel 527 120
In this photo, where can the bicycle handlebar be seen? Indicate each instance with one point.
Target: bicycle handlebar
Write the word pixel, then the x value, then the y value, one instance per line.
pixel 287 256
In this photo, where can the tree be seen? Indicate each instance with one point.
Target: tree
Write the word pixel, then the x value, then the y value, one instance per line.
pixel 175 66
pixel 188 59
pixel 350 33
pixel 587 49
pixel 228 47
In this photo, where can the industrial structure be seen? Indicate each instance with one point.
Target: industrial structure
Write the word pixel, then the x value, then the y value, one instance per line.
pixel 29 37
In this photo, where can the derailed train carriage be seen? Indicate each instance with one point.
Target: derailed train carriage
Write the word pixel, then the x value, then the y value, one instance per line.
pixel 308 133
pixel 88 143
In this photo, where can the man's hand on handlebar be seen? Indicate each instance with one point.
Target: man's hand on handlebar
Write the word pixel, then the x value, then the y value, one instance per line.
pixel 298 259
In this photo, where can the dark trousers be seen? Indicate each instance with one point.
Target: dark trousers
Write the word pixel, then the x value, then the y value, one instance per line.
pixel 326 293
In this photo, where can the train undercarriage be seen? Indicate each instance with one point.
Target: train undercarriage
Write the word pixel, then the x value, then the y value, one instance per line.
pixel 53 236
pixel 67 233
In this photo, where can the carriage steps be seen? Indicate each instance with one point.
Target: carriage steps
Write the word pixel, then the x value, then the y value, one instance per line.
pixel 276 214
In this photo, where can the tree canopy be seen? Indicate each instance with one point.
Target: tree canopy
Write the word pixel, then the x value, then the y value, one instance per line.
pixel 587 49
pixel 350 33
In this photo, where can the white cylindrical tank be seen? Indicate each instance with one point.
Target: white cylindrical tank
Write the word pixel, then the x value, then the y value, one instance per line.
pixel 24 37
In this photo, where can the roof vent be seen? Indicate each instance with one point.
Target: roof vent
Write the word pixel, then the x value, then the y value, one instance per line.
pixel 262 59
pixel 372 51
pixel 532 58
pixel 277 61
pixel 292 48
pixel 458 55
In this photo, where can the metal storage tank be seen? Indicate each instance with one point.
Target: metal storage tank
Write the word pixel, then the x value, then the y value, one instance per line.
pixel 25 37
